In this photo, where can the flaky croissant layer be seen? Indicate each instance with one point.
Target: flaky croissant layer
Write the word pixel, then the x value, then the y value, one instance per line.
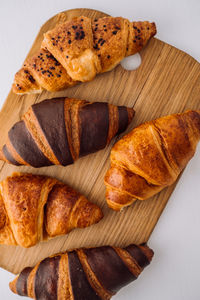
pixel 151 157
pixel 34 208
pixel 78 50
pixel 83 274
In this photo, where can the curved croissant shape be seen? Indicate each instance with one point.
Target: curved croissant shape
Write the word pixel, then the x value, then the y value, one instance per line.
pixel 151 157
pixel 34 208
pixel 59 131
pixel 92 274
pixel 79 49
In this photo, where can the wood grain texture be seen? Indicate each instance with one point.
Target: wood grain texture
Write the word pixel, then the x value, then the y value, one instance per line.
pixel 168 81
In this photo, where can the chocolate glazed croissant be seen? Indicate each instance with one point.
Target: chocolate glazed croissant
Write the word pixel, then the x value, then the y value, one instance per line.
pixel 151 157
pixel 78 49
pixel 83 274
pixel 34 208
pixel 59 131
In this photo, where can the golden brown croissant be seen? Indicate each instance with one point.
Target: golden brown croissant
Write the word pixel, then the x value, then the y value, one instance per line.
pixel 151 157
pixel 83 274
pixel 34 208
pixel 79 49
pixel 59 131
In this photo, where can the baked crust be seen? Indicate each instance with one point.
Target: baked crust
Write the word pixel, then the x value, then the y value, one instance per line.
pixel 151 157
pixel 78 49
pixel 87 273
pixel 34 208
pixel 58 131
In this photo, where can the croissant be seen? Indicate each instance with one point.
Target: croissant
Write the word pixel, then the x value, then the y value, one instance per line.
pixel 35 208
pixel 151 157
pixel 59 131
pixel 92 274
pixel 79 49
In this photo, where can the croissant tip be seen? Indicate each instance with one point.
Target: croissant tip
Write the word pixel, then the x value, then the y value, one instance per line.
pixel 194 116
pixel 147 251
pixel 12 286
pixel 153 29
pixel 131 113
pixel 1 155
pixel 89 214
pixel 99 214
pixel 96 212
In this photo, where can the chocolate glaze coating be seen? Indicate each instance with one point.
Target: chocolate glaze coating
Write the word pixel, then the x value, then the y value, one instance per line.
pixel 9 156
pixel 94 126
pixel 123 118
pixel 81 288
pixel 109 268
pixel 138 255
pixel 50 116
pixel 46 279
pixel 21 285
pixel 102 264
pixel 27 149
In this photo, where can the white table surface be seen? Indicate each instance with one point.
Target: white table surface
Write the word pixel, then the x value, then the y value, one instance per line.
pixel 175 270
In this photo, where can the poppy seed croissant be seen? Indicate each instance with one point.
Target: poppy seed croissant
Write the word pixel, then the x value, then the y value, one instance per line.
pixel 59 131
pixel 79 49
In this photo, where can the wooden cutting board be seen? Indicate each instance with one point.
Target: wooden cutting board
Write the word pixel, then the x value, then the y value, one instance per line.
pixel 167 81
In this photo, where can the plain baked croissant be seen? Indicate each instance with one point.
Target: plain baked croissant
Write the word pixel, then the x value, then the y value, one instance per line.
pixel 79 49
pixel 59 131
pixel 34 208
pixel 83 274
pixel 151 157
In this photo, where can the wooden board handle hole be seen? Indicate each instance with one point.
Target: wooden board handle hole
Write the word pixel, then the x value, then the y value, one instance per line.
pixel 132 62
